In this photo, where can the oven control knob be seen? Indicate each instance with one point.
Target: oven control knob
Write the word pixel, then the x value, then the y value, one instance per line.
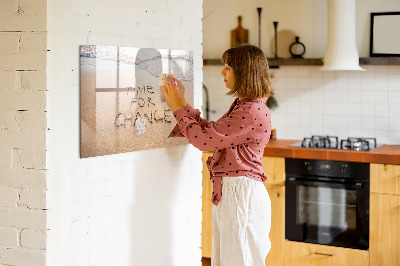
pixel 343 168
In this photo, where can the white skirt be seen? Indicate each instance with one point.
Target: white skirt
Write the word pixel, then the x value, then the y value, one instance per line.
pixel 241 223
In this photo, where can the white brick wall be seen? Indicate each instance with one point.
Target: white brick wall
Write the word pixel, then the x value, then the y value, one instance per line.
pixel 139 208
pixel 22 132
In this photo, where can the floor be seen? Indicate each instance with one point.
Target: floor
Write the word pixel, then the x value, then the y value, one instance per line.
pixel 206 261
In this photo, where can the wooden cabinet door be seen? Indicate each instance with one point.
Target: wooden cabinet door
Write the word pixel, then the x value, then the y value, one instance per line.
pixel 384 237
pixel 277 233
pixel 304 254
pixel 385 178
pixel 206 225
pixel 274 168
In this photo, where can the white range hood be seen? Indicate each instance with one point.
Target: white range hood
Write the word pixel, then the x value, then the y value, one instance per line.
pixel 341 51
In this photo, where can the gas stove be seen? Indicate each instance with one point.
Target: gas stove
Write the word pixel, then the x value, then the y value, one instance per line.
pixel 332 142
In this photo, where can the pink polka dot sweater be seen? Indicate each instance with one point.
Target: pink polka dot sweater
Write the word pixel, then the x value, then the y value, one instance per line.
pixel 238 139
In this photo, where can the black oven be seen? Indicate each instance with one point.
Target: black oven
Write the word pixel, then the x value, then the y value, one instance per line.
pixel 327 202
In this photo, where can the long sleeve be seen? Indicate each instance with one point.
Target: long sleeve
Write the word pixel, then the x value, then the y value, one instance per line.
pixel 193 113
pixel 231 130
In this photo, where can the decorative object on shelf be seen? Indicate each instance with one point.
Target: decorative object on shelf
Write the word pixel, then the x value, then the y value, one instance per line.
pixel 297 49
pixel 271 102
pixel 239 35
pixel 276 38
pixel 383 40
pixel 259 9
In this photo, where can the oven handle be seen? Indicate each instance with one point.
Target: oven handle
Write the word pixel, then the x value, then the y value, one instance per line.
pixel 357 185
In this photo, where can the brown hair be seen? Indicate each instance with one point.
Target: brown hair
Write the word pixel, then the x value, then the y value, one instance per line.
pixel 250 66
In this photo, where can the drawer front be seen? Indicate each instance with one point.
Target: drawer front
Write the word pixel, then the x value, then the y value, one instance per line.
pixel 297 253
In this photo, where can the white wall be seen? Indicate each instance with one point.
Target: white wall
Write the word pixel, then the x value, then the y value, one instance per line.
pixel 311 102
pixel 23 133
pixel 139 208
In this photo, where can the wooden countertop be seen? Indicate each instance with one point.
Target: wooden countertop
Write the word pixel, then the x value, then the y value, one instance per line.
pixel 389 154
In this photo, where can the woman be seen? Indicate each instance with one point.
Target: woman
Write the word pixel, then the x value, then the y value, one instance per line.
pixel 242 208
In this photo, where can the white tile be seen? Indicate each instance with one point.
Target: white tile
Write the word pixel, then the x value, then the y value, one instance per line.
pixel 368 122
pixel 317 107
pixel 394 70
pixel 329 95
pixel 292 83
pixel 342 81
pixel 381 97
pixel 291 71
pixel 367 110
pixel 394 83
pixel 329 121
pixel 394 123
pixel 381 71
pixel 394 137
pixel 367 96
pixel 354 84
pixel 355 109
pixel 342 109
pixel 381 84
pixel 394 110
pixel 316 82
pixel 355 96
pixel 342 96
pixel 317 95
pixel 382 136
pixel 304 82
pixel 381 110
pixel 394 97
pixel 329 109
pixel 355 132
pixel 355 122
pixel 342 122
pixel 367 133
pixel 304 72
pixel 381 123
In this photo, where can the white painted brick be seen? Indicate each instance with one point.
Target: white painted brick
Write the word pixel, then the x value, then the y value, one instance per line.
pixel 23 178
pixel 33 199
pixel 22 218
pixel 31 16
pixel 5 158
pixel 17 256
pixel 8 197
pixel 31 55
pixel 9 42
pixel 35 120
pixel 7 79
pixel 31 80
pixel 33 239
pixel 33 159
pixel 8 237
pixel 34 140
pixel 23 100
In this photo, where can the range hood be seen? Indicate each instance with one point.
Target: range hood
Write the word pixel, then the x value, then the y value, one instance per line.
pixel 341 51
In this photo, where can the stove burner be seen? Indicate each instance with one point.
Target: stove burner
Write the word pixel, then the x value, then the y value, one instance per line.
pixel 358 144
pixel 328 142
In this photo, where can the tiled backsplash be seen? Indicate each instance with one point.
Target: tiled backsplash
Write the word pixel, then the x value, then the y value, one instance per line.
pixel 314 102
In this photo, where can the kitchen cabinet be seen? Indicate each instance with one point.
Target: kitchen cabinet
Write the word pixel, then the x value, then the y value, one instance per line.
pixel 385 215
pixel 274 168
pixel 206 225
pixel 305 254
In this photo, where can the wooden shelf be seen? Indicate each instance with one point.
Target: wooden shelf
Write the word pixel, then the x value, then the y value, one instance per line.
pixel 380 61
pixel 273 63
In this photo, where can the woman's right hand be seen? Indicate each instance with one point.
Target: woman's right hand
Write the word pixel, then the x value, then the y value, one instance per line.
pixel 181 91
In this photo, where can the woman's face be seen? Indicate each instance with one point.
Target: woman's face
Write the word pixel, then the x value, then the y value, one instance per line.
pixel 229 76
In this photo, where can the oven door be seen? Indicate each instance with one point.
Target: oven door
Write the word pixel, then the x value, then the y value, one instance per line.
pixel 327 213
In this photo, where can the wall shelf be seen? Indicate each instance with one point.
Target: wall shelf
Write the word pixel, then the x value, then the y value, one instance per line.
pixel 274 63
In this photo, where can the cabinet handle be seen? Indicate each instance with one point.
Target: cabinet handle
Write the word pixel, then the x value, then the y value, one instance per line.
pixel 324 254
